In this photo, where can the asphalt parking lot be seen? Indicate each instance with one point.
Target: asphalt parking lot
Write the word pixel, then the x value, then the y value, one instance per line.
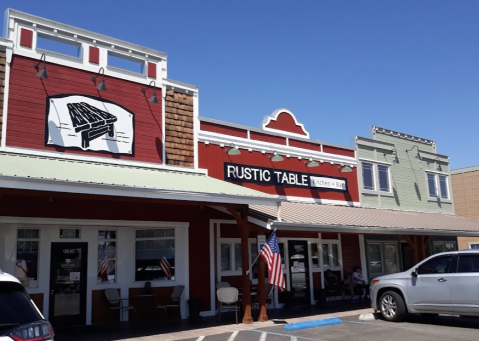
pixel 352 328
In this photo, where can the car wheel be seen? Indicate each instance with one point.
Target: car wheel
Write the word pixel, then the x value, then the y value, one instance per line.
pixel 392 306
pixel 429 316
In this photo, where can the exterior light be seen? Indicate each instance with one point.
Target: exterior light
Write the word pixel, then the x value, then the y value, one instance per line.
pixel 152 99
pixel 418 156
pixel 312 163
pixel 276 157
pixel 101 86
pixel 345 169
pixel 43 72
pixel 233 151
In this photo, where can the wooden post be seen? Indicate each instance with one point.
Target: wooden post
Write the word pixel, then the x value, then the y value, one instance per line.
pixel 263 315
pixel 245 266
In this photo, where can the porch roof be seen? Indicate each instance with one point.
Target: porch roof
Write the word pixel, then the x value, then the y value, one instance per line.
pixel 329 218
pixel 72 176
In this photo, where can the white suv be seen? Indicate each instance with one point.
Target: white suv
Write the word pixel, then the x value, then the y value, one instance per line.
pixel 445 283
pixel 20 320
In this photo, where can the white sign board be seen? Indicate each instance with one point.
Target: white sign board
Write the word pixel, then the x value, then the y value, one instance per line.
pixel 323 182
pixel 89 123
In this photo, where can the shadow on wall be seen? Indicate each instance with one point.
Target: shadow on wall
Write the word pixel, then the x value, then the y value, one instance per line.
pixel 396 197
pixel 418 191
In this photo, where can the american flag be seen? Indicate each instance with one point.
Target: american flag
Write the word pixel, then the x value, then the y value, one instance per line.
pixel 270 253
pixel 166 267
pixel 104 266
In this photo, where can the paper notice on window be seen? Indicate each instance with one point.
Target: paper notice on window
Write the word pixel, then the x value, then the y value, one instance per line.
pixel 74 276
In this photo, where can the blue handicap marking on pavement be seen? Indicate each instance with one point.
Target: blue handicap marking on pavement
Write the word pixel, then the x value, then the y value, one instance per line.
pixel 312 324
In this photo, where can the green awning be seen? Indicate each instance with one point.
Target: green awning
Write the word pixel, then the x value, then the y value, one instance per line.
pixel 73 176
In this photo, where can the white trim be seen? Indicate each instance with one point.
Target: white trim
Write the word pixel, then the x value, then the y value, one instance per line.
pixel 274 117
pixel 8 61
pixel 374 161
pixel 362 255
pixel 124 191
pixel 212 271
pixel 196 128
pixel 472 243
pixel 320 201
pixel 308 227
pixel 81 157
pixel 163 119
pixel 260 146
pixel 90 222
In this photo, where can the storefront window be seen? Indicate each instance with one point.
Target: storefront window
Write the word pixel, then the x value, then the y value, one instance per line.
pixel 26 269
pixel 443 246
pixel 230 256
pixel 331 255
pixel 225 257
pixel 254 254
pixel 106 256
pixel 375 258
pixel 238 263
pixel 314 255
pixel 391 257
pixel 155 255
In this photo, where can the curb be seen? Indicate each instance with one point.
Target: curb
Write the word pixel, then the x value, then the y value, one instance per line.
pixel 312 324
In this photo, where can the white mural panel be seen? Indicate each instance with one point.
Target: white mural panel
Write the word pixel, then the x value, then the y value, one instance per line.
pixel 89 123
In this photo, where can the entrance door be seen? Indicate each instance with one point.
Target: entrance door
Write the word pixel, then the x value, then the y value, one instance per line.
pixel 299 272
pixel 68 275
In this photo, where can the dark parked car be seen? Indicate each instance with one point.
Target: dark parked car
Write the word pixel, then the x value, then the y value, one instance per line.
pixel 20 319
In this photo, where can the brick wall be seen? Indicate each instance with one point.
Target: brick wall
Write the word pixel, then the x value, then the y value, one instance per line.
pixel 179 137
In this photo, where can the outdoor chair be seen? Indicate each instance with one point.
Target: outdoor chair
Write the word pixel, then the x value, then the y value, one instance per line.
pixel 116 302
pixel 228 300
pixel 222 285
pixel 175 297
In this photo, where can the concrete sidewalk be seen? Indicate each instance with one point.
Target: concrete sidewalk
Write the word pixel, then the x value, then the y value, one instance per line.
pixel 185 329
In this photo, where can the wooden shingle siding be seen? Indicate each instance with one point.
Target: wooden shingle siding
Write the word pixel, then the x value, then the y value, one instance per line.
pixel 179 137
pixel 2 86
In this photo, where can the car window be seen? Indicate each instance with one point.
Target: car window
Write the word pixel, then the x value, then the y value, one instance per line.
pixel 15 305
pixel 436 265
pixel 468 263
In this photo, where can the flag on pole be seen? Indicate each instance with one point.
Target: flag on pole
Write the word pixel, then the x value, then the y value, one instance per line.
pixel 166 267
pixel 104 266
pixel 270 253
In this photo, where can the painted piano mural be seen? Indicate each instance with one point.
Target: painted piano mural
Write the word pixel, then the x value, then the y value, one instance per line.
pixel 89 123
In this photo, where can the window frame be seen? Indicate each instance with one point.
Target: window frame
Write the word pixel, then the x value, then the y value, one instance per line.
pixel 232 242
pixel 29 239
pixel 471 244
pixel 437 184
pixel 376 178
pixel 330 243
pixel 449 270
pixel 116 253
pixel 174 238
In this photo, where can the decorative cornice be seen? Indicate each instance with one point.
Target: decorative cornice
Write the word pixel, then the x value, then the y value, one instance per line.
pixel 402 135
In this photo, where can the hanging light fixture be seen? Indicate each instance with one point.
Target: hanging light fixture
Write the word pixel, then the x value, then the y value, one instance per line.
pixel 439 168
pixel 233 151
pixel 276 157
pixel 101 86
pixel 312 163
pixel 43 72
pixel 152 99
pixel 418 155
pixel 345 169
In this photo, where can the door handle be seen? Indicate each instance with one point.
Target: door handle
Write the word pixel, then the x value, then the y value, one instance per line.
pixel 442 280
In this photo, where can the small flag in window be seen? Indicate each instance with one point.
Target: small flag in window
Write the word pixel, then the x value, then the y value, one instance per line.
pixel 166 268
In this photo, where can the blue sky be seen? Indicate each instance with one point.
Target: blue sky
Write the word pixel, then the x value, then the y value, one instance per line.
pixel 339 66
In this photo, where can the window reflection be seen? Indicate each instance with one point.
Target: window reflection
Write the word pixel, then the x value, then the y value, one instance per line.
pixel 155 255
pixel 26 269
pixel 106 256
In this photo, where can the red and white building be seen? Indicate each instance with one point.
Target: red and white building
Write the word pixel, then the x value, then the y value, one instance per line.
pixel 107 169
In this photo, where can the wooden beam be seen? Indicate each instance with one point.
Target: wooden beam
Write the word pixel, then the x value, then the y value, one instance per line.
pixel 263 314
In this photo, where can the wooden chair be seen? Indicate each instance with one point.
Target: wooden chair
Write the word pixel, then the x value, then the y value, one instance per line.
pixel 116 302
pixel 228 300
pixel 175 297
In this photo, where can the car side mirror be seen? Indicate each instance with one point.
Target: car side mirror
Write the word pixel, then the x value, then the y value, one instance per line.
pixel 414 273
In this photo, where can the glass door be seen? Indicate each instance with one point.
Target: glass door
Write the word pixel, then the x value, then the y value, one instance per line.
pixel 299 272
pixel 68 273
pixel 383 258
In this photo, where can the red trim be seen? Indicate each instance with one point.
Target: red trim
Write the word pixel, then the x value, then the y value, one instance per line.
pixel 285 122
pixel 305 145
pixel 26 38
pixel 267 138
pixel 151 70
pixel 338 151
pixel 216 128
pixel 94 56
